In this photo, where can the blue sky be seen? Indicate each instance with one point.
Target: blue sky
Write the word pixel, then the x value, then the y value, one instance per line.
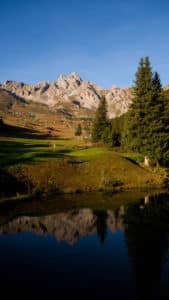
pixel 101 40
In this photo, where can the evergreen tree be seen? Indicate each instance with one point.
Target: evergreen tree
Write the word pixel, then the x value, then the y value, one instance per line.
pixel 78 130
pixel 100 122
pixel 117 125
pixel 143 82
pixel 146 129
pixel 156 84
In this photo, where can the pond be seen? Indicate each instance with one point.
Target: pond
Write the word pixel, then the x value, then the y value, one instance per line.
pixel 116 244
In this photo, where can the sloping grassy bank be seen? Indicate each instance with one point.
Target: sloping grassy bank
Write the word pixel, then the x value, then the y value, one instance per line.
pixel 105 171
pixel 41 166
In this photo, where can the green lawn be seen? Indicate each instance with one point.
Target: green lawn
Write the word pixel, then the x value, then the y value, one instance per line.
pixel 19 150
pixel 89 153
pixel 70 165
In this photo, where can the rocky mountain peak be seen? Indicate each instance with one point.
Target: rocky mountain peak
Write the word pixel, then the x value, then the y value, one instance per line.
pixel 69 82
pixel 75 76
pixel 71 89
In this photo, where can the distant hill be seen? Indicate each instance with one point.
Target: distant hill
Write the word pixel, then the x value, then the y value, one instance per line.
pixel 56 108
pixel 7 100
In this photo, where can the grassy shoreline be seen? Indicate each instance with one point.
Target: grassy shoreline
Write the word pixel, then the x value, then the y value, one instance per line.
pixel 36 167
pixel 129 195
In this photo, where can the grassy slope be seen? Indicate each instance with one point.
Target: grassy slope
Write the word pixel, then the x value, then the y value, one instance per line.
pixel 55 122
pixel 28 157
pixel 70 166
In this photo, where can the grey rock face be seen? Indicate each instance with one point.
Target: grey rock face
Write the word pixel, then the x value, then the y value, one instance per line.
pixel 118 100
pixel 72 89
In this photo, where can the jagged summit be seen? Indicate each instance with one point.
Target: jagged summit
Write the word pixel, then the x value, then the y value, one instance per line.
pixel 71 89
pixel 75 76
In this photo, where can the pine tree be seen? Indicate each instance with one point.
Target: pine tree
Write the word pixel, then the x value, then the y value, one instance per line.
pixel 146 129
pixel 100 122
pixel 78 130
pixel 133 137
pixel 143 82
pixel 156 84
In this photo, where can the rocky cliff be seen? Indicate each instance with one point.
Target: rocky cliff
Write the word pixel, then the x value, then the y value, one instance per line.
pixel 70 90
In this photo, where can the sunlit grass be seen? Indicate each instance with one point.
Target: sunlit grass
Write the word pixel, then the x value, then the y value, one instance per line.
pixel 89 153
pixel 20 150
pixel 71 165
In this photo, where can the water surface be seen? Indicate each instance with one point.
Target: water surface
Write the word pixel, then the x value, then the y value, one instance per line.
pixel 116 244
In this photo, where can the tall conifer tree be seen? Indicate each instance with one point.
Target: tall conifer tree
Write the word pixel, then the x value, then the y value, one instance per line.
pixel 100 122
pixel 145 129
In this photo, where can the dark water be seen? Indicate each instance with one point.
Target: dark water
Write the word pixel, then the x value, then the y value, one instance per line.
pixel 113 245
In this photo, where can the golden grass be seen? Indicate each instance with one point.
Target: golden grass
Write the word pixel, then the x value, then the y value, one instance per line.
pixel 69 166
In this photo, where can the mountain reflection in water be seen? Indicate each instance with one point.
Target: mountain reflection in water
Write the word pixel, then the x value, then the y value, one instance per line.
pixel 123 248
pixel 68 226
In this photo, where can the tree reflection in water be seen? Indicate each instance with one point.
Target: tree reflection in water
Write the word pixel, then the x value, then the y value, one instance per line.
pixel 147 236
pixel 101 224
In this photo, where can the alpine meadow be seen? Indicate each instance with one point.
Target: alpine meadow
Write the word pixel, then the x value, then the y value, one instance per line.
pixel 81 149
pixel 84 149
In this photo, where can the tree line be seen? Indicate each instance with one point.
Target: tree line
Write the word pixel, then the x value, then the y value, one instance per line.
pixel 145 127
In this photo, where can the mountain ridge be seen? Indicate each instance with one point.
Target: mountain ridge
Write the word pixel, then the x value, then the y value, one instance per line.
pixel 56 108
pixel 72 89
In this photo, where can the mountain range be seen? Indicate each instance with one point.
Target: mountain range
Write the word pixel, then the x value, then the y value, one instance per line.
pixel 71 90
pixel 55 108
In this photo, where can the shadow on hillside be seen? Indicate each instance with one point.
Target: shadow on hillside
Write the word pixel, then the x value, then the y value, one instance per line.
pixel 132 161
pixel 77 162
pixel 55 153
pixel 9 185
pixel 15 131
pixel 19 146
pixel 13 153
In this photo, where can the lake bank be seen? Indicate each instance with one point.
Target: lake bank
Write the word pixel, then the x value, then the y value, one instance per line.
pixel 41 167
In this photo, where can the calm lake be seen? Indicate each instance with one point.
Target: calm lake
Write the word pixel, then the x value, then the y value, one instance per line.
pixel 116 244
